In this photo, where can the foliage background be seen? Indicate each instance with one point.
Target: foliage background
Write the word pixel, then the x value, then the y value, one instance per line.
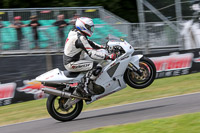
pixel 126 9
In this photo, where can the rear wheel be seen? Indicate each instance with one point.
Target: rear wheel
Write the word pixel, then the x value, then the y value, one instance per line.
pixel 55 107
pixel 148 73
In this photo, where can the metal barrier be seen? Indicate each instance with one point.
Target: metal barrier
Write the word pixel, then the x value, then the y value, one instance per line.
pixel 158 35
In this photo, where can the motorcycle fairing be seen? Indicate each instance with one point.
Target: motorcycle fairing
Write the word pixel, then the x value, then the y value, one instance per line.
pixel 135 60
pixel 58 76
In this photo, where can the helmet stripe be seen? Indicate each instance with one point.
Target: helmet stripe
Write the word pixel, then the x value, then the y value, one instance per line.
pixel 78 27
pixel 82 21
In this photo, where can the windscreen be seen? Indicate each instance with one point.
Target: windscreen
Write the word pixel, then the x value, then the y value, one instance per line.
pixel 114 38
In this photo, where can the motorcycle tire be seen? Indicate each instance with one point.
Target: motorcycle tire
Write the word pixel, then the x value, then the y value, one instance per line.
pixel 148 69
pixel 59 116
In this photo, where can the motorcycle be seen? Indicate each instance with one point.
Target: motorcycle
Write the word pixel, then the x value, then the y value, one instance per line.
pixel 65 102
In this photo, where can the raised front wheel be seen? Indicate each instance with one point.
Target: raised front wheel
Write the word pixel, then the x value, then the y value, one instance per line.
pixel 143 80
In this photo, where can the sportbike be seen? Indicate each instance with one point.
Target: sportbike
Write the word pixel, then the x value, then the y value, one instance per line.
pixel 65 102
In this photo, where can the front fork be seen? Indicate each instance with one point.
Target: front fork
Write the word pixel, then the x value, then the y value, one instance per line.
pixel 134 64
pixel 135 69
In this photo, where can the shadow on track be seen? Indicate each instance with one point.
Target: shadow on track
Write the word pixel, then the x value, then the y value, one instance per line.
pixel 118 113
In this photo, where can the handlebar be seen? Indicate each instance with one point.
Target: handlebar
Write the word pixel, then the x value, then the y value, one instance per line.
pixel 118 50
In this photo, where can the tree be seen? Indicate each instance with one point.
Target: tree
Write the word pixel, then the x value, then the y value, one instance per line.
pixel 126 9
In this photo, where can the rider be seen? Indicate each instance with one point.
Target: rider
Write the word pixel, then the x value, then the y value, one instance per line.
pixel 77 44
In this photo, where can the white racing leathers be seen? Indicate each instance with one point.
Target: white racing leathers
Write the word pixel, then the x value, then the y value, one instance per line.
pixel 75 47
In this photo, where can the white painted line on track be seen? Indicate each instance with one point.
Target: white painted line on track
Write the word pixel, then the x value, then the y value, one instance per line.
pixel 110 107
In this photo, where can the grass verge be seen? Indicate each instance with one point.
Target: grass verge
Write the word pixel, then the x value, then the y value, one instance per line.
pixel 187 123
pixel 160 88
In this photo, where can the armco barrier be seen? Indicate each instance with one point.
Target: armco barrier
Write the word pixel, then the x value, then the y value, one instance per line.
pixel 17 73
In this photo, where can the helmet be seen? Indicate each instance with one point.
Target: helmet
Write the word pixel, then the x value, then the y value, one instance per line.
pixel 85 25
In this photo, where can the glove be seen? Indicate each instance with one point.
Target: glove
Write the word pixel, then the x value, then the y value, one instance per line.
pixel 111 57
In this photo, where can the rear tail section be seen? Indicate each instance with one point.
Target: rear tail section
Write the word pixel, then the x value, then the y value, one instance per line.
pixel 57 76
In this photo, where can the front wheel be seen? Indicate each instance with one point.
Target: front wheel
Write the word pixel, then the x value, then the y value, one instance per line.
pixel 55 107
pixel 148 73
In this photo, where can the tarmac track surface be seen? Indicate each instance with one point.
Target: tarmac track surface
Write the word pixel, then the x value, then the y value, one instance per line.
pixel 128 113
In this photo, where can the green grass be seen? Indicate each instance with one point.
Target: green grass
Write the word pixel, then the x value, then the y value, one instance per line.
pixel 160 88
pixel 187 123
pixel 21 112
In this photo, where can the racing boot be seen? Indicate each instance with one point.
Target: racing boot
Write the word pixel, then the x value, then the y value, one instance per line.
pixel 82 88
pixel 87 82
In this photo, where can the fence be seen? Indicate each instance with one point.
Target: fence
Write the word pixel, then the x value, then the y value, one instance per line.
pixel 158 35
pixel 48 36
